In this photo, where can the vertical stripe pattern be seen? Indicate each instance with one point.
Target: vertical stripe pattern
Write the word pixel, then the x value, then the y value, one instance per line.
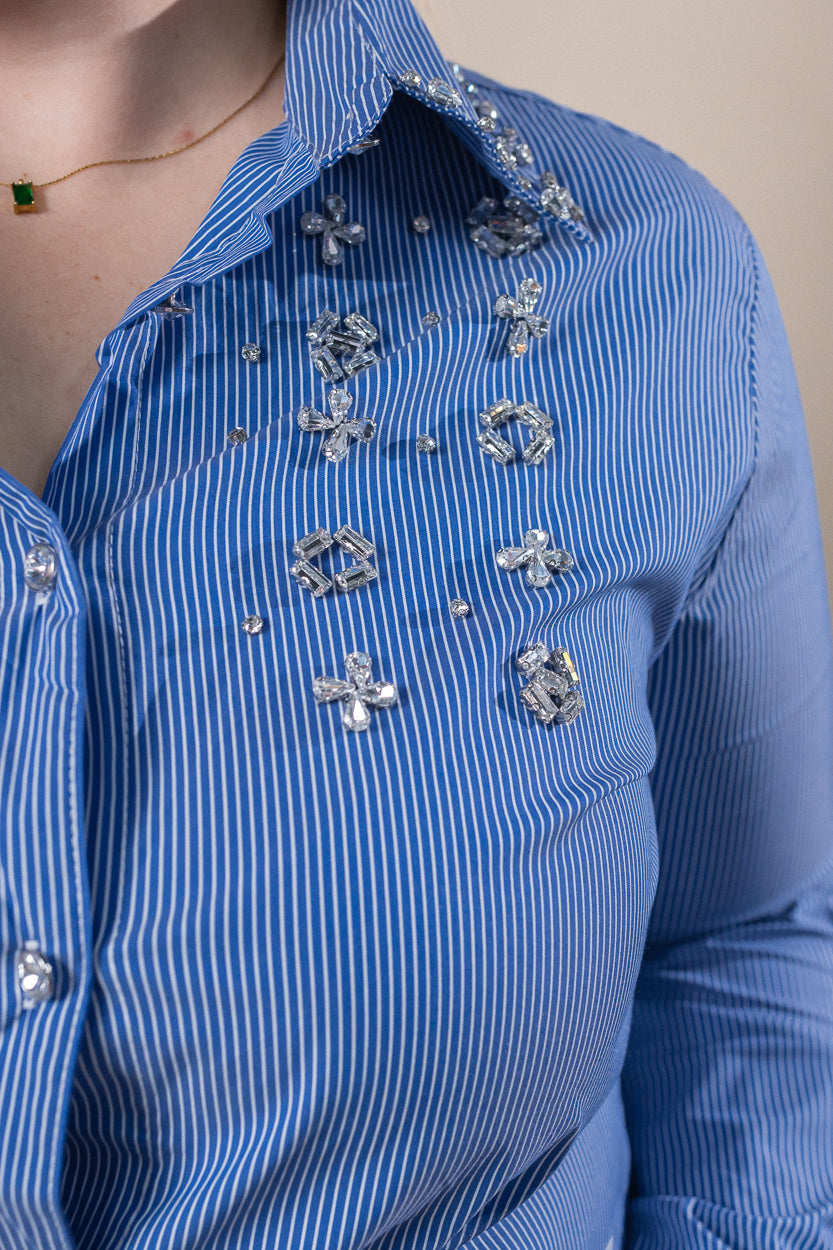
pixel 464 978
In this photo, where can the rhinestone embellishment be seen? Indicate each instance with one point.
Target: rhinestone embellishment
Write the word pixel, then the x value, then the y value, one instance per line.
pixel 410 78
pixel 364 145
pixel 425 442
pixel 431 319
pixel 358 692
pixel 539 563
pixel 337 445
pixel 459 608
pixel 511 231
pixel 252 625
pixel 329 339
pixel 250 353
pixel 237 436
pixel 336 230
pixel 557 201
pixel 443 93
pixel 316 543
pixel 421 225
pixel 541 440
pixel 34 975
pixel 171 308
pixel 521 312
pixel 552 694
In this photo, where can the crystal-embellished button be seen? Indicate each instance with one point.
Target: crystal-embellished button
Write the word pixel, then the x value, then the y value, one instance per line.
pixel 253 625
pixel 34 975
pixel 40 567
pixel 237 436
pixel 251 352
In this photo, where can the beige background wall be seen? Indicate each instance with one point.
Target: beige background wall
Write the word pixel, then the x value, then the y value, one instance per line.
pixel 741 89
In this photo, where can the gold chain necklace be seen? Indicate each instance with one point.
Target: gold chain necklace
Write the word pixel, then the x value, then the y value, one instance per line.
pixel 23 191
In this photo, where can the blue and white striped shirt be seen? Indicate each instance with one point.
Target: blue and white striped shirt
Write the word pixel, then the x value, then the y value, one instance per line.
pixel 467 977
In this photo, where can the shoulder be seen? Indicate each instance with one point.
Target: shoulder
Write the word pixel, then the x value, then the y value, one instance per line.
pixel 624 181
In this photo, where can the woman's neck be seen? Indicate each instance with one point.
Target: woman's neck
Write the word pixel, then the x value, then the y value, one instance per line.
pixel 94 79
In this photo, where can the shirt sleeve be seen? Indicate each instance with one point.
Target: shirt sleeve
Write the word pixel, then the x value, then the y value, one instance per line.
pixel 728 1078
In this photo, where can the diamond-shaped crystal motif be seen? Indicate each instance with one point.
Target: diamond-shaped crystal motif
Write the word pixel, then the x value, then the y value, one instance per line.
pixel 339 348
pixel 358 692
pixel 320 540
pixel 539 563
pixel 335 229
pixel 336 447
pixel 541 441
pixel 552 694
pixel 510 231
pixel 521 312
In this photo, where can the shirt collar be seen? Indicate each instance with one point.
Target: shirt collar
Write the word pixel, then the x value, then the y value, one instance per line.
pixel 345 59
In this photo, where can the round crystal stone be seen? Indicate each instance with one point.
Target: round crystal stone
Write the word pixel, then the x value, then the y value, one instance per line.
pixel 421 225
pixel 253 625
pixel 237 436
pixel 431 319
pixel 459 608
pixel 40 567
pixel 250 352
pixel 34 975
pixel 426 443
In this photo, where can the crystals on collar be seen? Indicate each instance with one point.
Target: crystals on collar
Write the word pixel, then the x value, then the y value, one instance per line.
pixel 253 625
pixel 509 232
pixel 364 145
pixel 553 693
pixel 443 94
pixel 336 230
pixel 459 609
pixel 540 564
pixel 410 78
pixel 336 447
pixel 541 440
pixel 358 692
pixel 320 540
pixel 521 311
pixel 237 436
pixel 557 201
pixel 172 307
pixel 329 338
pixel 251 353
pixel 426 443
pixel 431 319
pixel 421 225
pixel 511 149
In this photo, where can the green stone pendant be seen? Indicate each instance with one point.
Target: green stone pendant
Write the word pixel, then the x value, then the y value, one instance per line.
pixel 23 193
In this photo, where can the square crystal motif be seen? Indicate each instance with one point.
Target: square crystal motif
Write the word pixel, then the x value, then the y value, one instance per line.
pixel 23 194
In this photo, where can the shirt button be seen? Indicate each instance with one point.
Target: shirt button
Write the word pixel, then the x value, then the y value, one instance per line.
pixel 34 975
pixel 40 567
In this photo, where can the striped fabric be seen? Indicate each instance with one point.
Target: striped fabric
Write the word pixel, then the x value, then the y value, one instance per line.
pixel 464 978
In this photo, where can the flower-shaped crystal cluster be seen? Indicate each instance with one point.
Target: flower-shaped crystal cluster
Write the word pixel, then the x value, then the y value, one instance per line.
pixel 336 230
pixel 339 350
pixel 508 231
pixel 553 693
pixel 520 311
pixel 358 692
pixel 533 556
pixel 337 445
